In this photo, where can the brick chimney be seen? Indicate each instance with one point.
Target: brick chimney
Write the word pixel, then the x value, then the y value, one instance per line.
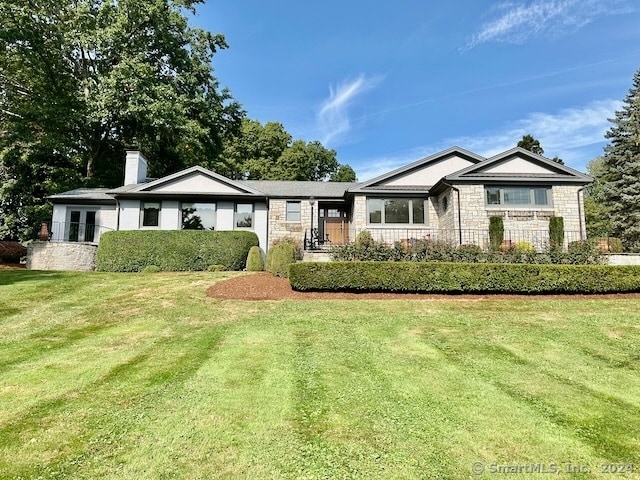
pixel 135 167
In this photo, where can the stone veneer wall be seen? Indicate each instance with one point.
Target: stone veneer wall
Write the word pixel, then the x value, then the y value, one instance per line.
pixel 280 228
pixel 475 214
pixel 61 256
pixel 391 233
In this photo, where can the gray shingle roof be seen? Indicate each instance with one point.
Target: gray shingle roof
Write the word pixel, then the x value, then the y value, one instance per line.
pixel 84 194
pixel 282 188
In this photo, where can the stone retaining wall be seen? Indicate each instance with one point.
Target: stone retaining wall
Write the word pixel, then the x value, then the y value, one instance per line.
pixel 61 256
pixel 624 259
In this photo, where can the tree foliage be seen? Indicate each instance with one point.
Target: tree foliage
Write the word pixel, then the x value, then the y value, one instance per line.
pixel 344 174
pixel 620 173
pixel 80 80
pixel 268 152
pixel 528 142
pixel 596 210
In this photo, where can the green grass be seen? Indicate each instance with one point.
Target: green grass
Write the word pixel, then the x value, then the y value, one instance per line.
pixel 141 376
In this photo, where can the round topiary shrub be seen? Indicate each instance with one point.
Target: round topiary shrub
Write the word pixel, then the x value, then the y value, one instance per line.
pixel 279 258
pixel 254 260
pixel 151 269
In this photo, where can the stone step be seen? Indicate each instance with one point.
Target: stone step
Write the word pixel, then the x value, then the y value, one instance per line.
pixel 316 257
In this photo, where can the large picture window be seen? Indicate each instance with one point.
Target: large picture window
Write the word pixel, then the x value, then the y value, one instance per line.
pixel 518 196
pixel 244 215
pixel 398 211
pixel 198 216
pixel 150 213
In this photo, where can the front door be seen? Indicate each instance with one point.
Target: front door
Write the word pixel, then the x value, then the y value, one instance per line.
pixel 336 230
pixel 333 223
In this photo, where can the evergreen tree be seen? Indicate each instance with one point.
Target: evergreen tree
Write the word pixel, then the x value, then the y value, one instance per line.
pixel 528 142
pixel 620 176
pixel 531 144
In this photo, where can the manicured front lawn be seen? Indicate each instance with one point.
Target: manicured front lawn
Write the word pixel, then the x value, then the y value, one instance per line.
pixel 141 376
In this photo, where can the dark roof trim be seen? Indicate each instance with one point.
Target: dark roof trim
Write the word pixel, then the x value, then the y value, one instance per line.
pixel 562 170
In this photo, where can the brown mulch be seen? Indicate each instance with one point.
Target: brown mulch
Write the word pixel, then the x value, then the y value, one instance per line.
pixel 264 286
pixel 12 266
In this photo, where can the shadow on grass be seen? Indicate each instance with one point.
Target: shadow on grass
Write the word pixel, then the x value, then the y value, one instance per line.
pixel 9 277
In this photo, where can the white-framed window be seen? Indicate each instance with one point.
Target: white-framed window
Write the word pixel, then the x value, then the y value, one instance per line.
pixel 293 212
pixel 150 214
pixel 243 215
pixel 81 225
pixel 516 196
pixel 198 216
pixel 398 211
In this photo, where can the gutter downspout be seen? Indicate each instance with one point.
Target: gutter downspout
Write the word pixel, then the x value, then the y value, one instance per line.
pixel 582 237
pixel 117 214
pixel 459 212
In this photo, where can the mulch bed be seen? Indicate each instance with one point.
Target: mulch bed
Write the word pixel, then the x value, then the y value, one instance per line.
pixel 12 266
pixel 264 286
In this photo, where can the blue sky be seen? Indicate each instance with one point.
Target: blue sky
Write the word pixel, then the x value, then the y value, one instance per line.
pixel 386 83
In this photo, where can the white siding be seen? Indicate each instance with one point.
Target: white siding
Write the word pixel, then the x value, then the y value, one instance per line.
pixel 195 183
pixel 224 219
pixel 431 173
pixel 129 214
pixel 170 215
pixel 518 165
pixel 260 220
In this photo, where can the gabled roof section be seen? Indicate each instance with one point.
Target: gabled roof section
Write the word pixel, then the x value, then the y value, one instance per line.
pixel 407 178
pixel 518 164
pixel 193 180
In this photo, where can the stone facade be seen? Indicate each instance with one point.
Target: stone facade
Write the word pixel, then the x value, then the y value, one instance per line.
pixel 279 227
pixel 61 256
pixel 523 223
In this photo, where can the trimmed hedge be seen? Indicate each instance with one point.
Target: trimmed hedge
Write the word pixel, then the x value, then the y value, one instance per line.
pixel 255 263
pixel 463 277
pixel 279 257
pixel 173 250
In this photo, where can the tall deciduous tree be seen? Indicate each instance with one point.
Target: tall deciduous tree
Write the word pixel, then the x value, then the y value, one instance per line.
pixel 344 174
pixel 620 174
pixel 268 152
pixel 80 80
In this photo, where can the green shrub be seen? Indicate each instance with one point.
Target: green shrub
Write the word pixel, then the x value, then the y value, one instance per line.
pixel 427 250
pixel 279 258
pixel 151 269
pixel 463 277
pixel 173 250
pixel 524 247
pixel 294 242
pixel 610 245
pixel 216 268
pixel 254 260
pixel 556 233
pixel 496 232
pixel 12 252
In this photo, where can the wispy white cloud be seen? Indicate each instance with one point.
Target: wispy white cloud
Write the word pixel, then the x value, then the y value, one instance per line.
pixel 565 133
pixel 518 22
pixel 570 134
pixel 333 117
